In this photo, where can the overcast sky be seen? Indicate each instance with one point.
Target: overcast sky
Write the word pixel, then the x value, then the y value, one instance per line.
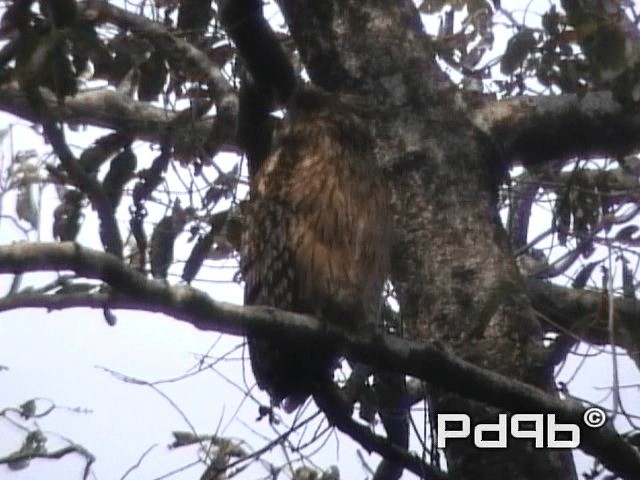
pixel 60 356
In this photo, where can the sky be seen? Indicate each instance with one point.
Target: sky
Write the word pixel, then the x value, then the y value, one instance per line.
pixel 65 358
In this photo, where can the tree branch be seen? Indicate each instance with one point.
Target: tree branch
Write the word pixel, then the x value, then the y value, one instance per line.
pixel 424 361
pixel 114 110
pixel 534 130
pixel 20 457
pixel 196 63
pixel 331 38
pixel 109 230
pixel 522 197
pixel 257 44
pixel 577 312
pixel 338 413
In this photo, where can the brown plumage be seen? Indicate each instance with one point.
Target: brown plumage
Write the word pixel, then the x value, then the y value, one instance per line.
pixel 317 237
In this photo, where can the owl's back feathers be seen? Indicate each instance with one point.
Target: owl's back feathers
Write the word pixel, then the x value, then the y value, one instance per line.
pixel 317 238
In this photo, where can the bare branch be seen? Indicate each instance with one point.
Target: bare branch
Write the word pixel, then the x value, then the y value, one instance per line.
pixel 577 312
pixel 339 413
pixel 19 457
pixel 135 466
pixel 526 128
pixel 115 110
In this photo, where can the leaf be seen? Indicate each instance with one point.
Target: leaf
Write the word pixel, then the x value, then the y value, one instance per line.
pixel 584 275
pixel 129 53
pixel 27 207
pixel 62 13
pixel 332 473
pixel 604 45
pixel 87 44
pixel 227 225
pixel 16 14
pixel 69 287
pixel 518 48
pixel 222 187
pixel 109 316
pixel 121 170
pixel 625 235
pixel 562 217
pixel 221 251
pixel 93 157
pixel 34 444
pixel 586 214
pixel 16 465
pixel 182 438
pixel 139 250
pixel 163 240
pixel 628 282
pixel 28 409
pixel 196 258
pixel 24 169
pixel 551 21
pixel 67 217
pixel 58 74
pixel 153 76
pixel 194 17
pixel 233 230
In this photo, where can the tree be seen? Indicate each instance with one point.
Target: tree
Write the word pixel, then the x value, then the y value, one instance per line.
pixel 482 326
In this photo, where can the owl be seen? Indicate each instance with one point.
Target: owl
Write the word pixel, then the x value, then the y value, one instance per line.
pixel 316 239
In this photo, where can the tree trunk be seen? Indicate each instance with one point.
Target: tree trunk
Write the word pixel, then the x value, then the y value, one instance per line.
pixel 453 270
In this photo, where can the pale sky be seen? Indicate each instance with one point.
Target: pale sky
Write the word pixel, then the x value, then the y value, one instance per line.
pixel 59 357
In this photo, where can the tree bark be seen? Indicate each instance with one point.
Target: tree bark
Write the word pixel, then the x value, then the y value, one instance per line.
pixel 453 270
